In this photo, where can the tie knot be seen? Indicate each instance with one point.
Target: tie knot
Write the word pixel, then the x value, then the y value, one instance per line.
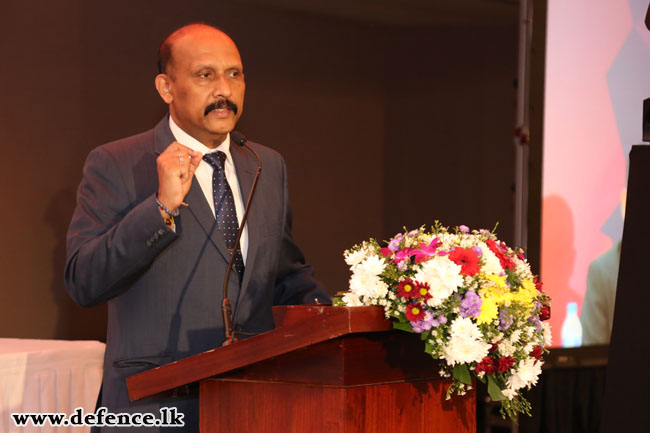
pixel 215 159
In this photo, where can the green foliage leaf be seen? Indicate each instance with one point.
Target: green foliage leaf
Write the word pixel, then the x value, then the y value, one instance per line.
pixel 403 326
pixel 461 373
pixel 494 390
pixel 428 348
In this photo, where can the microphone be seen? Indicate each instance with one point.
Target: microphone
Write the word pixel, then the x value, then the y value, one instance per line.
pixel 226 307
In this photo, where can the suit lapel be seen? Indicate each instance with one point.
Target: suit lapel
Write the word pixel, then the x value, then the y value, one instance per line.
pixel 246 167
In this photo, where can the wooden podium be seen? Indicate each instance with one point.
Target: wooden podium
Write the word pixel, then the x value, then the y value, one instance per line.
pixel 322 370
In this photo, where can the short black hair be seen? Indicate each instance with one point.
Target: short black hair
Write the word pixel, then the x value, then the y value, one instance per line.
pixel 164 54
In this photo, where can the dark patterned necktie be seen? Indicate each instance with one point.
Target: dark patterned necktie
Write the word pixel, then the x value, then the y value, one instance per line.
pixel 224 206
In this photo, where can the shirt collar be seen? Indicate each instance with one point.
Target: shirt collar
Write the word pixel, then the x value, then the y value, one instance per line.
pixel 187 140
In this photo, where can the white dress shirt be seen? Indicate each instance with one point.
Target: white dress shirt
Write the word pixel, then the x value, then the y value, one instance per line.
pixel 204 171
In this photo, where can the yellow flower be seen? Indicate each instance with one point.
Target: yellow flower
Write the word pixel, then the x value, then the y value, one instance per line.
pixel 496 293
pixel 529 285
pixel 526 294
pixel 489 311
pixel 497 280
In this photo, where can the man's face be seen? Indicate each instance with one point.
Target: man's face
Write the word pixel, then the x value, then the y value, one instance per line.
pixel 206 85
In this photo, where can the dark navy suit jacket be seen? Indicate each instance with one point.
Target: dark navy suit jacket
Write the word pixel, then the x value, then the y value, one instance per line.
pixel 164 288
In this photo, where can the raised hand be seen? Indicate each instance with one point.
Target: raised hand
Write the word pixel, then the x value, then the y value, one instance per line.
pixel 176 167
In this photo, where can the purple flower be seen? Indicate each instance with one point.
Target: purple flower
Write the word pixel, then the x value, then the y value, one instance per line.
pixel 505 319
pixel 464 229
pixel 414 233
pixel 393 245
pixel 429 321
pixel 402 266
pixel 486 232
pixel 425 324
pixel 478 250
pixel 470 306
pixel 440 320
pixel 535 321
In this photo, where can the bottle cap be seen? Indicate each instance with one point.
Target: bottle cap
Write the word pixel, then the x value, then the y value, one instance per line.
pixel 572 308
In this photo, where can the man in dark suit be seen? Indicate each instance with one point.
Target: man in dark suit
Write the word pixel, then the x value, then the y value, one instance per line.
pixel 147 238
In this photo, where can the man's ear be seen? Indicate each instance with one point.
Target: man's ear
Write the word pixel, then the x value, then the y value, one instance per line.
pixel 163 85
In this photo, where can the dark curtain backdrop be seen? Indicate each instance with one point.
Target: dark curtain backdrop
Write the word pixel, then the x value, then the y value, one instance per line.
pixel 381 127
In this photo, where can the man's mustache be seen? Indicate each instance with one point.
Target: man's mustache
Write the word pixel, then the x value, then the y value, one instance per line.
pixel 222 103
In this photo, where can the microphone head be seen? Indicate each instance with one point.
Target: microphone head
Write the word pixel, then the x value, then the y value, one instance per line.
pixel 237 137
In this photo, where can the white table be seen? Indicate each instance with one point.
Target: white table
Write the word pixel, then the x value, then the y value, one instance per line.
pixel 48 376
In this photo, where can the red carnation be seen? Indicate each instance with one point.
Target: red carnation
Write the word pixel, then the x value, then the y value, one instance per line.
pixel 486 365
pixel 538 285
pixel 467 258
pixel 537 352
pixel 505 363
pixel 406 289
pixel 385 252
pixel 545 312
pixel 415 312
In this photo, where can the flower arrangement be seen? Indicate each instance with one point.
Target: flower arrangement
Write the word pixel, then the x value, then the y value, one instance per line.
pixel 473 300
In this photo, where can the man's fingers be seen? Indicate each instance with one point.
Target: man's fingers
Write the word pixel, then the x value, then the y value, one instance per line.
pixel 196 157
pixel 193 167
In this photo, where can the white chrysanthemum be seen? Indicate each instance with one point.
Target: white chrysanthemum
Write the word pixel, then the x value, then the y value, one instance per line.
pixel 506 348
pixel 548 337
pixel 492 265
pixel 464 327
pixel 443 277
pixel 447 241
pixel 351 300
pixel 515 336
pixel 467 241
pixel 353 258
pixel 461 351
pixel 498 337
pixel 530 332
pixel 370 286
pixel 522 268
pixel 380 290
pixel 372 265
pixel 530 346
pixel 466 344
pixel 526 374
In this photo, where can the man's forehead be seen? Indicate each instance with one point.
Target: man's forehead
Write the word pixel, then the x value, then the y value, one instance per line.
pixel 204 43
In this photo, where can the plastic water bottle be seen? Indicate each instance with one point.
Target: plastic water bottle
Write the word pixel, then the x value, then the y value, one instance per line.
pixel 571 328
